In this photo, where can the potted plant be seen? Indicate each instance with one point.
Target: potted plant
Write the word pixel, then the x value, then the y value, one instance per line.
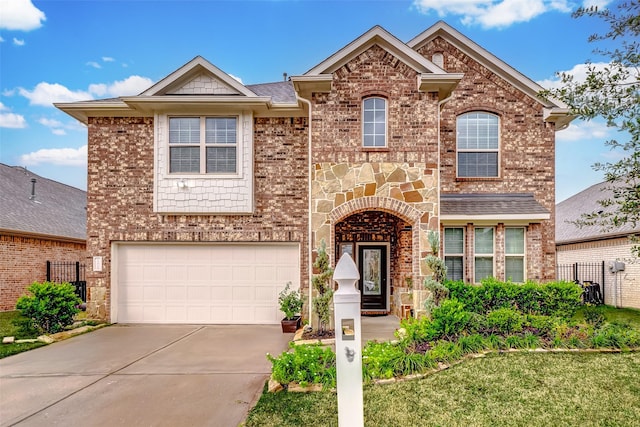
pixel 290 304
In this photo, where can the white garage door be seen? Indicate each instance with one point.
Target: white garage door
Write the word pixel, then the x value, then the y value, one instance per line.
pixel 230 283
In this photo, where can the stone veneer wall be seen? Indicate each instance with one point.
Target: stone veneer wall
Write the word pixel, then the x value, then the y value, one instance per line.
pixel 120 196
pixel 24 261
pixel 527 146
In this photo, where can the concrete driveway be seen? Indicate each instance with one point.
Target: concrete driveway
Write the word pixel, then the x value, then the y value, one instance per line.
pixel 138 375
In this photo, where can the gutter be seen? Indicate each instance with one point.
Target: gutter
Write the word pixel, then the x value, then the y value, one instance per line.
pixel 309 229
pixel 440 107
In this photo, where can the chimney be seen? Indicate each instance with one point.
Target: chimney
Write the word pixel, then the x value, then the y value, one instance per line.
pixel 33 189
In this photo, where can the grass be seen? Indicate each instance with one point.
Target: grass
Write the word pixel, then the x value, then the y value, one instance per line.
pixel 9 327
pixel 532 389
pixel 626 315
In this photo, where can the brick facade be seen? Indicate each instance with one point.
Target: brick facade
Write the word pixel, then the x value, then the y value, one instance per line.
pixel 332 189
pixel 527 147
pixel 120 195
pixel 24 262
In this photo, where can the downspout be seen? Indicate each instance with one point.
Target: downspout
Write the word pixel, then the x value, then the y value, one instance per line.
pixel 309 230
pixel 440 107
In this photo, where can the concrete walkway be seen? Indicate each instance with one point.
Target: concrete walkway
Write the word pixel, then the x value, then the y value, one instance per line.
pixel 127 375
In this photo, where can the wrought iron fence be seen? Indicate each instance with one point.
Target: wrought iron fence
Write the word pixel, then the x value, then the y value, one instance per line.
pixel 71 272
pixel 589 275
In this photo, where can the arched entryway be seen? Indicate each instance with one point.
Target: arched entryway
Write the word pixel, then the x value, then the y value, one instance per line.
pixel 381 243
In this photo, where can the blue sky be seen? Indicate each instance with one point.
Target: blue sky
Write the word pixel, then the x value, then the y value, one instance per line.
pixel 62 51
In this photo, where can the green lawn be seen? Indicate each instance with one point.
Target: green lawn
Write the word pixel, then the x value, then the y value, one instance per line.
pixel 9 328
pixel 511 389
pixel 533 389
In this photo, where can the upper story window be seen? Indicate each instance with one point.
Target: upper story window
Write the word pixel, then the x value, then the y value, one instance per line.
pixel 203 145
pixel 374 122
pixel 477 145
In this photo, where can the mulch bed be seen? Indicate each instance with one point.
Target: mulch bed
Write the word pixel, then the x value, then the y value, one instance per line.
pixel 315 335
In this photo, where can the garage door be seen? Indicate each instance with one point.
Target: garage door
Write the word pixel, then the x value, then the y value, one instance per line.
pixel 173 283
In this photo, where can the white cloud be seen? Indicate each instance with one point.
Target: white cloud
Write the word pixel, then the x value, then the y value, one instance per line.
pixel 1 39
pixel 579 73
pixel 56 156
pixel 18 42
pixel 50 123
pixel 492 13
pixel 45 94
pixel 94 64
pixel 236 78
pixel 20 15
pixel 581 131
pixel 108 59
pixel 132 85
pixel 59 132
pixel 12 121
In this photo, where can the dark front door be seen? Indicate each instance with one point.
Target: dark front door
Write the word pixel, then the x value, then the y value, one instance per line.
pixel 372 263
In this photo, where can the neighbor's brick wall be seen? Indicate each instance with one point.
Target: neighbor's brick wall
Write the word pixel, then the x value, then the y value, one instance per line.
pixel 120 195
pixel 527 143
pixel 627 291
pixel 23 260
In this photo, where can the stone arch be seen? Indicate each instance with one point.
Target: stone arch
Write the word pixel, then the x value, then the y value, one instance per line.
pixel 395 207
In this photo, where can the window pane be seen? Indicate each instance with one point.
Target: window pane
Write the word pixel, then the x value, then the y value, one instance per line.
pixel 453 241
pixel 514 269
pixel 184 159
pixel 514 241
pixel 221 159
pixel 483 268
pixel 477 164
pixel 483 240
pixel 184 130
pixel 374 122
pixel 454 267
pixel 220 130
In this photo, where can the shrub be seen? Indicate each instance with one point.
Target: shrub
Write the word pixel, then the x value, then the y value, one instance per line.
pixel 438 268
pixel 379 359
pixel 505 320
pixel 290 302
pixel 50 306
pixel 438 292
pixel 305 364
pixel 616 335
pixel 593 315
pixel 557 299
pixel 449 320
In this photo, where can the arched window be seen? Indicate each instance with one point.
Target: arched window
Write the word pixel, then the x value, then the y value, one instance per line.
pixel 478 147
pixel 374 122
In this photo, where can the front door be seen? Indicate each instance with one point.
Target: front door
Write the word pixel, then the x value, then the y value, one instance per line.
pixel 372 263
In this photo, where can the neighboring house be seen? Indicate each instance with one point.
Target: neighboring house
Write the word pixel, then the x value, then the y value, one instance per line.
pixel 40 220
pixel 206 196
pixel 592 244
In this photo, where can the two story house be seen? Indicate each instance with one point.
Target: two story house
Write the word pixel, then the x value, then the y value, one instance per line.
pixel 205 196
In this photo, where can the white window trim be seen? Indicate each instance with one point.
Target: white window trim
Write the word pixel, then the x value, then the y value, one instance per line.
pixel 456 255
pixel 484 255
pixel 386 122
pixel 203 148
pixel 523 255
pixel 479 150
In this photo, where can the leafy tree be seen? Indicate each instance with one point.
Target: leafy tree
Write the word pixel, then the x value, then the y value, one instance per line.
pixel 322 283
pixel 612 93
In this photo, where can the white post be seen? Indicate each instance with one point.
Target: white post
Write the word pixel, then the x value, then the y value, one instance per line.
pixel 346 302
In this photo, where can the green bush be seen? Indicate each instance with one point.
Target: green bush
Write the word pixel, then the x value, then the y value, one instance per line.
pixel 379 359
pixel 505 321
pixel 305 364
pixel 616 335
pixel 557 299
pixel 51 306
pixel 593 315
pixel 449 320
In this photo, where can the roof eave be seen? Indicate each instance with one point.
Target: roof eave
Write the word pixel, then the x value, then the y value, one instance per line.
pixel 307 84
pixel 29 234
pixel 81 111
pixel 535 217
pixel 444 84
pixel 562 117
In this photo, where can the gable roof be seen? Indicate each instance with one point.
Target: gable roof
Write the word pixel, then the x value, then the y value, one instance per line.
pixel 556 111
pixel 431 77
pixel 583 202
pixel 57 211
